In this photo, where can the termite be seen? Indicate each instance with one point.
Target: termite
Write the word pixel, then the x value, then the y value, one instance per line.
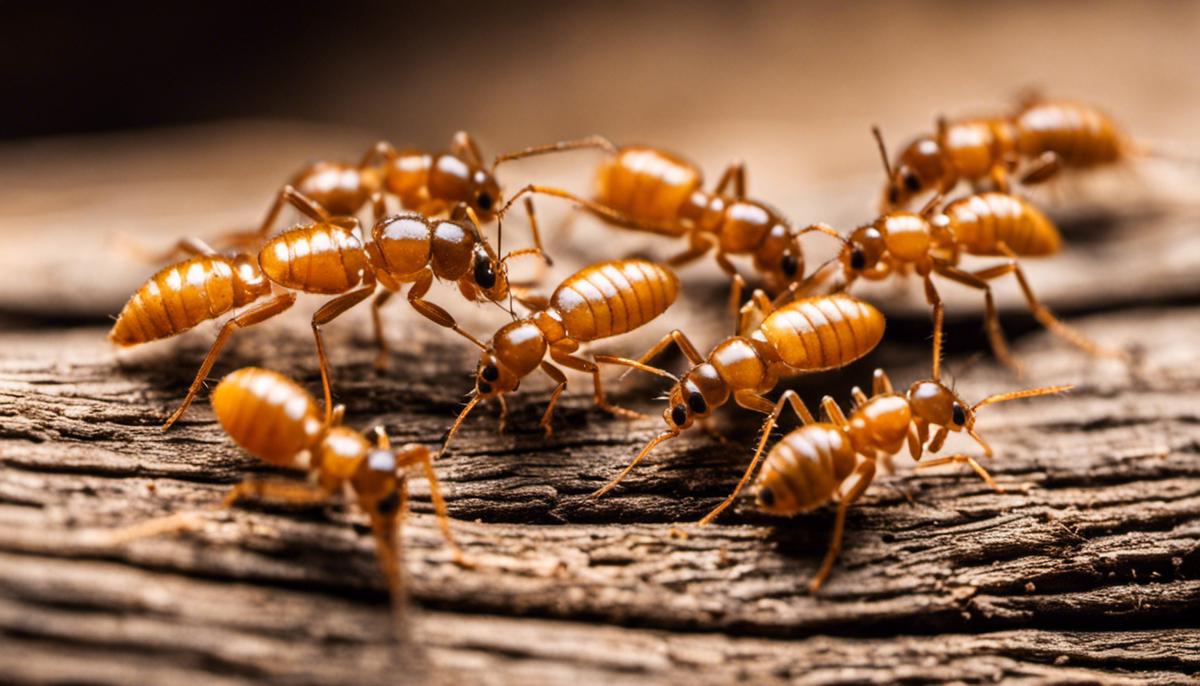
pixel 1040 139
pixel 834 460
pixel 602 300
pixel 649 189
pixel 275 419
pixel 808 335
pixel 932 241
pixel 324 257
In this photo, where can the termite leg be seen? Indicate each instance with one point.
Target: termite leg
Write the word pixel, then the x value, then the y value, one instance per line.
pixel 327 313
pixel 560 379
pixel 562 355
pixel 963 459
pixel 254 315
pixel 382 358
pixel 735 173
pixel 788 397
pixel 991 317
pixel 849 491
pixel 434 312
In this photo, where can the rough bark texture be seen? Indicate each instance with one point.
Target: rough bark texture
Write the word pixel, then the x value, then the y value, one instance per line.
pixel 1087 569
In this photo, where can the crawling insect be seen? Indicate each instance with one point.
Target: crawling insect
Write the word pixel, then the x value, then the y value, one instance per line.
pixel 808 335
pixel 1040 139
pixel 276 420
pixel 430 184
pixel 652 190
pixel 835 459
pixel 324 257
pixel 933 241
pixel 602 300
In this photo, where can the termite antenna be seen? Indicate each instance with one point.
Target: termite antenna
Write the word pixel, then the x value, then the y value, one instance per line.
pixel 1027 393
pixel 883 152
pixel 596 141
pixel 664 436
pixel 458 422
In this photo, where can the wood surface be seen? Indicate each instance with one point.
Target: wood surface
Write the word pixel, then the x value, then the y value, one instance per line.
pixel 1087 570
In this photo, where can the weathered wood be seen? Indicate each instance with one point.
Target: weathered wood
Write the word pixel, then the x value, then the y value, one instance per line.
pixel 1086 570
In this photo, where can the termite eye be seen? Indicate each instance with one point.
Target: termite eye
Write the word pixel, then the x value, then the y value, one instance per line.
pixel 789 265
pixel 857 259
pixel 485 276
pixel 911 182
pixel 490 373
pixel 957 414
pixel 485 387
pixel 678 415
pixel 484 201
pixel 388 503
pixel 696 403
pixel 766 496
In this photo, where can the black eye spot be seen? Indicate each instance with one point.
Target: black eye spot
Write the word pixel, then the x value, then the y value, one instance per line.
pixel 789 265
pixel 957 414
pixel 490 372
pixel 857 259
pixel 912 183
pixel 484 201
pixel 766 496
pixel 678 415
pixel 696 403
pixel 485 387
pixel 388 503
pixel 484 275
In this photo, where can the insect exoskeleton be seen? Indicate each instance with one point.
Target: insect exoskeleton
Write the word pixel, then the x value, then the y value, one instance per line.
pixel 835 460
pixel 278 421
pixel 602 300
pixel 933 241
pixel 327 257
pixel 649 189
pixel 805 336
pixel 188 293
pixel 1041 138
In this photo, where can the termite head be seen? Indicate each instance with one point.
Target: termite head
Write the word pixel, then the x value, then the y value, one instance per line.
pixel 697 394
pixel 863 250
pixel 488 275
pixel 779 258
pixel 454 180
pixel 493 378
pixel 378 484
pixel 937 404
pixel 918 169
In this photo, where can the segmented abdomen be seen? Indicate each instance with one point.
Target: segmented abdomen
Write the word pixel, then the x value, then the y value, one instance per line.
pixel 1080 135
pixel 178 298
pixel 822 332
pixel 611 298
pixel 339 188
pixel 980 222
pixel 267 414
pixel 647 184
pixel 804 469
pixel 323 258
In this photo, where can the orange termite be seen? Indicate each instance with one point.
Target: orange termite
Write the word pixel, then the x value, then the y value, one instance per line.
pixel 430 184
pixel 1041 138
pixel 601 300
pixel 808 335
pixel 275 419
pixel 325 257
pixel 835 460
pixel 933 241
pixel 649 189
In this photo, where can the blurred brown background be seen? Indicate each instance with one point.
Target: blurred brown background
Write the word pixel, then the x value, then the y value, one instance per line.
pixel 98 93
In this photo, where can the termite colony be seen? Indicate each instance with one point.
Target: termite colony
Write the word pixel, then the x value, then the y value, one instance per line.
pixel 794 323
